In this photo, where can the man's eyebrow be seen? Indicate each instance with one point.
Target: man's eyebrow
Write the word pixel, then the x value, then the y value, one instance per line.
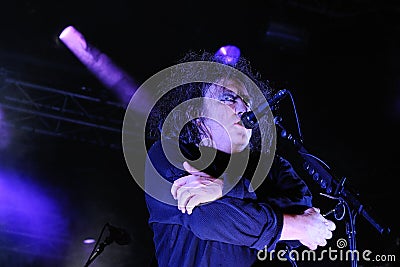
pixel 245 98
pixel 226 90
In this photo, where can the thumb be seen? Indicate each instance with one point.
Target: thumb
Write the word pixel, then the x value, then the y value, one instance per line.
pixel 189 168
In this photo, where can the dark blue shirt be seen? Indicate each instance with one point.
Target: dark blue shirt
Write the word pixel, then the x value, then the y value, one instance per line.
pixel 226 232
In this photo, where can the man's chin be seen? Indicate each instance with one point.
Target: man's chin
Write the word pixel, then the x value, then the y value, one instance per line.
pixel 239 147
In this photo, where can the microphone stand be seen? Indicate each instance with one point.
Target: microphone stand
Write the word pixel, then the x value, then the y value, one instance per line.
pixel 335 189
pixel 116 234
pixel 98 251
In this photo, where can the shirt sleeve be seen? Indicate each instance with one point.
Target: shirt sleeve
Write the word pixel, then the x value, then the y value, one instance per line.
pixel 243 222
pixel 228 220
pixel 285 189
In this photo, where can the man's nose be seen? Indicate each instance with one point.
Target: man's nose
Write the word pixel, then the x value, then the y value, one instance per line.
pixel 240 107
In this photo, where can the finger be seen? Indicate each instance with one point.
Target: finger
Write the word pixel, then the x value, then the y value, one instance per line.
pixel 331 225
pixel 310 245
pixel 183 200
pixel 177 184
pixel 192 170
pixel 181 192
pixel 193 202
pixel 317 210
pixel 189 168
pixel 313 246
pixel 309 211
pixel 174 188
pixel 328 235
pixel 189 181
pixel 322 242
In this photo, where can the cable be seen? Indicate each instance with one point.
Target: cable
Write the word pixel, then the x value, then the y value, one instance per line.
pixel 297 117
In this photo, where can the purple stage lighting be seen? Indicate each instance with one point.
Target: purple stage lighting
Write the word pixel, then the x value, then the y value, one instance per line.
pixel 32 221
pixel 228 54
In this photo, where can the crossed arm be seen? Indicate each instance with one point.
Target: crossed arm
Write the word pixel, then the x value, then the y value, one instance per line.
pixel 195 189
pixel 310 227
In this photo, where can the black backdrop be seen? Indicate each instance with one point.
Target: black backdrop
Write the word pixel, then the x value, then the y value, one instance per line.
pixel 339 60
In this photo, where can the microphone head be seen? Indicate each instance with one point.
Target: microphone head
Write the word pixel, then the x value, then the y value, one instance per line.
pixel 249 120
pixel 119 235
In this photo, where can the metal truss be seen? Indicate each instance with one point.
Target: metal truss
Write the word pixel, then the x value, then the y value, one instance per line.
pixel 45 110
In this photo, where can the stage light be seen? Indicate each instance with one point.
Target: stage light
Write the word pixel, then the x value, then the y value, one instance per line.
pixel 89 241
pixel 99 64
pixel 228 54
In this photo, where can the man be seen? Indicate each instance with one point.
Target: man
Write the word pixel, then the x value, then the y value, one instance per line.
pixel 217 219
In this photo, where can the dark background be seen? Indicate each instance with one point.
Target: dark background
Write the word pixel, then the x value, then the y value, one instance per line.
pixel 339 59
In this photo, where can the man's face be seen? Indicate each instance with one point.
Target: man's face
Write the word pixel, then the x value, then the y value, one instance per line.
pixel 222 112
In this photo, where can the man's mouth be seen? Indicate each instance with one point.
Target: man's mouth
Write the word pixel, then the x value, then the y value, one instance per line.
pixel 239 123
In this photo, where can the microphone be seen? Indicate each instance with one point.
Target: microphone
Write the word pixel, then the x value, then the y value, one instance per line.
pixel 119 235
pixel 249 118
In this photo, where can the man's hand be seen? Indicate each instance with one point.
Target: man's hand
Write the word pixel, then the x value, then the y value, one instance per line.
pixel 196 188
pixel 310 228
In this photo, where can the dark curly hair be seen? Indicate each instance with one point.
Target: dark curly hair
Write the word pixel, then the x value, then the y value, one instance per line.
pixel 194 129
